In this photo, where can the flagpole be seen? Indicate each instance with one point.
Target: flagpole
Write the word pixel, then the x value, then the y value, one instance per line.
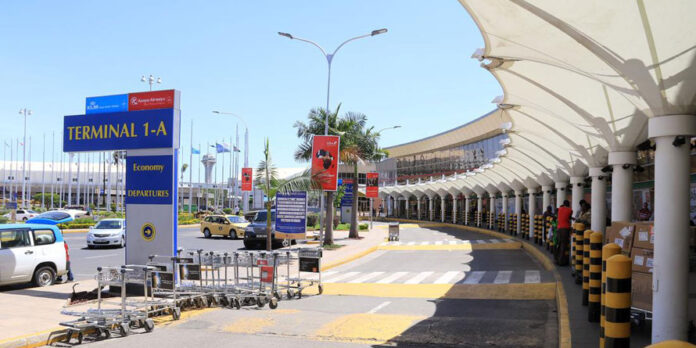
pixel 43 175
pixel 191 172
pixel 4 163
pixel 28 178
pixel 200 186
pixel 60 185
pixel 236 167
pixel 53 166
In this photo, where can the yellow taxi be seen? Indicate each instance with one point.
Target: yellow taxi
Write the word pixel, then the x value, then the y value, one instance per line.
pixel 231 226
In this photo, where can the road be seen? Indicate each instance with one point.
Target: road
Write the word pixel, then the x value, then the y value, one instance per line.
pixel 436 287
pixel 84 261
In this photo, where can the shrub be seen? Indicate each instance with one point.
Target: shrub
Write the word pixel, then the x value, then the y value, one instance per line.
pixel 227 211
pixel 363 227
pixel 312 219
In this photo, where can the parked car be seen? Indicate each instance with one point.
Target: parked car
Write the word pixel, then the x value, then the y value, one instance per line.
pixel 22 214
pixel 107 232
pixel 32 253
pixel 53 217
pixel 255 234
pixel 231 226
pixel 75 210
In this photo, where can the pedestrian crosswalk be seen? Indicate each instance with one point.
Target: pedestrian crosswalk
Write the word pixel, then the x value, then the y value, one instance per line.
pixel 431 277
pixel 448 242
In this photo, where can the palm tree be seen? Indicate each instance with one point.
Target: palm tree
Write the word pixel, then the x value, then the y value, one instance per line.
pixel 267 180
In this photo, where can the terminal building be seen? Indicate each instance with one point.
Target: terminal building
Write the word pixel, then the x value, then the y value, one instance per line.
pixel 602 113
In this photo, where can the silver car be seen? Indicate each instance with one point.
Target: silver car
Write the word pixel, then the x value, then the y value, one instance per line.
pixel 107 232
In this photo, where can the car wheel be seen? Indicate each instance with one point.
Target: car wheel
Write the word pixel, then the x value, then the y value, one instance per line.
pixel 123 242
pixel 233 234
pixel 90 246
pixel 24 218
pixel 249 245
pixel 44 276
pixel 206 233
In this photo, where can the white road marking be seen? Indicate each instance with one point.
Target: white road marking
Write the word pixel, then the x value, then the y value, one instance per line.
pixel 503 277
pixel 328 273
pixel 100 256
pixel 418 278
pixel 496 241
pixel 532 277
pixel 474 277
pixel 411 243
pixel 392 278
pixel 438 242
pixel 380 306
pixel 341 277
pixel 366 277
pixel 447 277
pixel 452 242
pixel 425 243
pixel 480 241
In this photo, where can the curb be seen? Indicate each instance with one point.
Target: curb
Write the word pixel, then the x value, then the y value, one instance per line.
pixel 85 230
pixel 564 335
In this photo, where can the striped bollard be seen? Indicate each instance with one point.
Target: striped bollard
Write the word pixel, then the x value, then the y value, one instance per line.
pixel 608 251
pixel 579 228
pixel 586 267
pixel 594 298
pixel 617 311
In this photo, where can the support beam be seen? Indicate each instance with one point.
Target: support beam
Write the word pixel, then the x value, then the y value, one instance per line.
pixel 479 207
pixel 599 199
pixel 532 210
pixel 622 185
pixel 454 208
pixel 505 211
pixel 467 207
pixel 418 206
pixel 407 203
pixel 491 210
pixel 578 182
pixel 518 211
pixel 430 208
pixel 442 208
pixel 546 197
pixel 561 193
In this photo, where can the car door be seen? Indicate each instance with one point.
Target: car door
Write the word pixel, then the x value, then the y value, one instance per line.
pixel 47 249
pixel 16 256
pixel 219 226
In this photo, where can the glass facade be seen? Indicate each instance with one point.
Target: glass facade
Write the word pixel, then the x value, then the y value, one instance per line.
pixel 447 161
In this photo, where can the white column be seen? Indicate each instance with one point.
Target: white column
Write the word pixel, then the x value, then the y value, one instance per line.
pixel 407 203
pixel 479 206
pixel 518 211
pixel 418 205
pixel 454 208
pixel 622 185
pixel 599 199
pixel 505 211
pixel 491 211
pixel 560 193
pixel 430 208
pixel 577 182
pixel 442 208
pixel 671 265
pixel 467 206
pixel 546 197
pixel 532 211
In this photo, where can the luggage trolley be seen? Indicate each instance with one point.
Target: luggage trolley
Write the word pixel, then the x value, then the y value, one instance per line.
pixel 393 231
pixel 308 261
pixel 164 295
pixel 257 286
pixel 103 321
pixel 191 288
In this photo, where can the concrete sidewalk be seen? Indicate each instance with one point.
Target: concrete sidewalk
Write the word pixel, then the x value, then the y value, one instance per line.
pixel 31 315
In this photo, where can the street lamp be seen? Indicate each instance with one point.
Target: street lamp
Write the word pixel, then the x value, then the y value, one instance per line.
pixel 388 128
pixel 329 59
pixel 26 112
pixel 151 80
pixel 245 195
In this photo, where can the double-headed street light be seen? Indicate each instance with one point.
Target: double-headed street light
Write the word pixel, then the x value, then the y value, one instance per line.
pixel 26 112
pixel 151 80
pixel 245 197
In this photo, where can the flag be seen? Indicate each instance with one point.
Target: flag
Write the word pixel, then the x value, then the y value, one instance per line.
pixel 195 151
pixel 220 148
pixel 236 149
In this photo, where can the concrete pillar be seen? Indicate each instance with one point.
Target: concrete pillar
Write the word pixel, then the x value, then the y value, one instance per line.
pixel 491 210
pixel 418 206
pixel 599 199
pixel 577 182
pixel 560 193
pixel 671 264
pixel 479 206
pixel 467 206
pixel 546 197
pixel 518 211
pixel 430 208
pixel 532 210
pixel 505 211
pixel 622 185
pixel 390 205
pixel 442 208
pixel 407 203
pixel 454 208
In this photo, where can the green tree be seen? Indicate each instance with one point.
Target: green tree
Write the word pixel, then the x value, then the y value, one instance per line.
pixel 267 181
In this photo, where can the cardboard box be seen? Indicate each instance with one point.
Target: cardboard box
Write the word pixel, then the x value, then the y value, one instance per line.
pixel 644 236
pixel 641 291
pixel 642 260
pixel 621 233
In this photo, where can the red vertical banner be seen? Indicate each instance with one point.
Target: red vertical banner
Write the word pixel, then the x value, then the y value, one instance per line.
pixel 246 179
pixel 372 186
pixel 325 160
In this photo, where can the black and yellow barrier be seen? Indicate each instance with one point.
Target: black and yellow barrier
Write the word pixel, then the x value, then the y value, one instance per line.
pixel 579 229
pixel 671 344
pixel 549 239
pixel 608 251
pixel 586 267
pixel 617 311
pixel 512 227
pixel 594 297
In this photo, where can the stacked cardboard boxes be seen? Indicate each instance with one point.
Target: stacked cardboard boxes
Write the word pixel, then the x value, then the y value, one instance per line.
pixel 636 240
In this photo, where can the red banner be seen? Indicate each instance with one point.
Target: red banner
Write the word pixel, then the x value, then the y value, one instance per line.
pixel 372 187
pixel 151 100
pixel 325 160
pixel 246 179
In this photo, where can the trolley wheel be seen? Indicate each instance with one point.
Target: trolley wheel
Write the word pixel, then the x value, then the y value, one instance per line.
pixel 299 294
pixel 273 303
pixel 123 329
pixel 68 336
pixel 149 325
pixel 277 295
pixel 237 303
pixel 80 337
pixel 321 289
pixel 104 332
pixel 261 301
pixel 176 313
pixel 290 294
pixel 224 302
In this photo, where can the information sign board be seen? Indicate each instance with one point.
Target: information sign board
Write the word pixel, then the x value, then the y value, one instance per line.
pixel 107 103
pixel 291 215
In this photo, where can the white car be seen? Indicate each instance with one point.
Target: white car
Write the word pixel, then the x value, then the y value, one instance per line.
pixel 22 214
pixel 32 253
pixel 107 232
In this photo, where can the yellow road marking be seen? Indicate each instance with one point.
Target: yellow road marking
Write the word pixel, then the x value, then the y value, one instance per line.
pixel 463 246
pixel 249 325
pixel 366 327
pixel 167 320
pixel 348 259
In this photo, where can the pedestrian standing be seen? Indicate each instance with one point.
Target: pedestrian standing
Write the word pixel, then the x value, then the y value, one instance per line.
pixel 564 214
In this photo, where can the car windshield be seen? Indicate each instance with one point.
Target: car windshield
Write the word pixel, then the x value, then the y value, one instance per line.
pixel 108 225
pixel 31 212
pixel 54 215
pixel 235 219
pixel 261 216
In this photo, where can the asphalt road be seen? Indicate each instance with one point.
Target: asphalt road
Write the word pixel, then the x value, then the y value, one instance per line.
pixel 84 261
pixel 386 299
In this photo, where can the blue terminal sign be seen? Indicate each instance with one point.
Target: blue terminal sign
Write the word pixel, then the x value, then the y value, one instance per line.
pixel 149 180
pixel 147 129
pixel 108 103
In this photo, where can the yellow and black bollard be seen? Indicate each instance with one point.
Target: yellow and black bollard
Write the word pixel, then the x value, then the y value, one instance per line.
pixel 594 298
pixel 617 311
pixel 586 267
pixel 579 228
pixel 608 251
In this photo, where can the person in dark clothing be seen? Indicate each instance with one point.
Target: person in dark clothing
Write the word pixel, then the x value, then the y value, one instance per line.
pixel 564 215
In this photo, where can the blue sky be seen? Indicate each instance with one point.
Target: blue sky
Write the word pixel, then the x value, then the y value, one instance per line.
pixel 226 55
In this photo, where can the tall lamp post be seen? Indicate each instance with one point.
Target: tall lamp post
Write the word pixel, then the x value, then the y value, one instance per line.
pixel 25 112
pixel 329 59
pixel 245 195
pixel 151 80
pixel 372 199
